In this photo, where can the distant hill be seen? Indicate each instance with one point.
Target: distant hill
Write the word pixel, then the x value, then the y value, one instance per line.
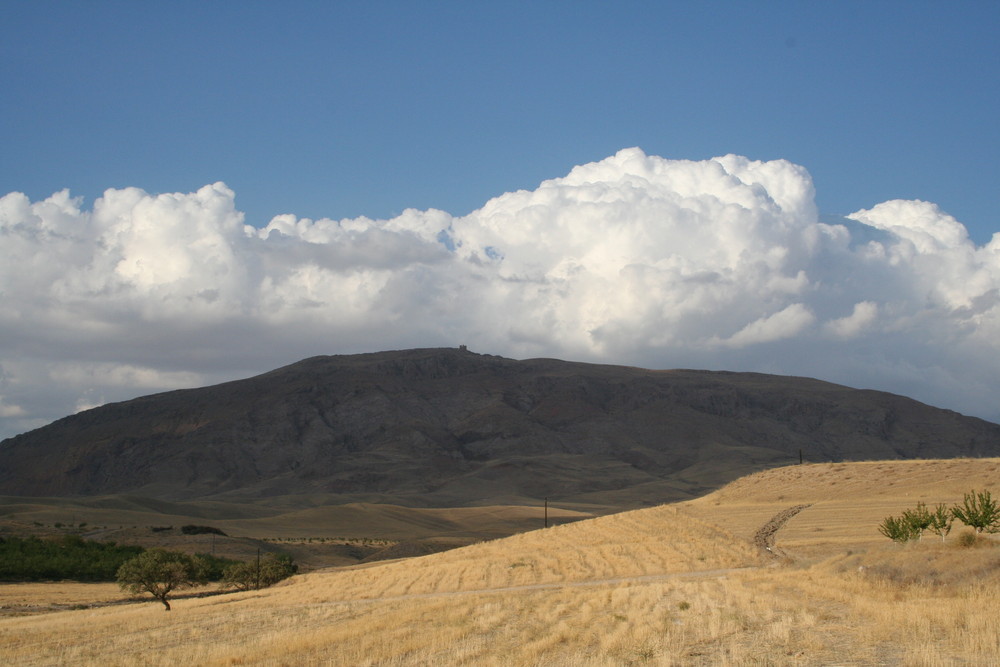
pixel 448 427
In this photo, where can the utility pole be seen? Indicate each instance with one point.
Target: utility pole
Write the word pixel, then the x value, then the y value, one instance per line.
pixel 257 587
pixel 546 512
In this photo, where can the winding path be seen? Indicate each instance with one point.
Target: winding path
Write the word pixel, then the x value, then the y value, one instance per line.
pixel 764 537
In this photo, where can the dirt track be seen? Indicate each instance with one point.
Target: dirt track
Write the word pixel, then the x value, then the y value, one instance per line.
pixel 764 537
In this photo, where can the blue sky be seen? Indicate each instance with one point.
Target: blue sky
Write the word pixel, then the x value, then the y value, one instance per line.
pixel 192 192
pixel 348 109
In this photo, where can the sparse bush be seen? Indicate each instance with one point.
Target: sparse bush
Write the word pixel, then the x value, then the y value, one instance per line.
pixel 967 539
pixel 979 511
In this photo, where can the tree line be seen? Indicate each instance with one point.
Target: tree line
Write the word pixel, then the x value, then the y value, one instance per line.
pixel 158 572
pixel 63 557
pixel 978 510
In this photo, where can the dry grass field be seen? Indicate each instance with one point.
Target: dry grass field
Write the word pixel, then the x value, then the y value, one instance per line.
pixel 679 584
pixel 103 515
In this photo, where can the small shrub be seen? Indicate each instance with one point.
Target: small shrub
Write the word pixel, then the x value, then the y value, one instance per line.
pixel 968 539
pixel 683 605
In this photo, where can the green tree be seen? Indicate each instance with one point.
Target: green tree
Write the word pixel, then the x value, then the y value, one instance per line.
pixel 259 574
pixel 898 529
pixel 920 518
pixel 941 520
pixel 979 511
pixel 160 572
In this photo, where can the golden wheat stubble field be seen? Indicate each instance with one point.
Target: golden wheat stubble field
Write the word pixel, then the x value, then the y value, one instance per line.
pixel 678 584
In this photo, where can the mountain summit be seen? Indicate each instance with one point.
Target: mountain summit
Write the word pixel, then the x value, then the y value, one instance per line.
pixel 447 427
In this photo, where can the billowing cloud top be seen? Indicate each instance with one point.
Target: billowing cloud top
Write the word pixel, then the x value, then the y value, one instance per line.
pixel 722 263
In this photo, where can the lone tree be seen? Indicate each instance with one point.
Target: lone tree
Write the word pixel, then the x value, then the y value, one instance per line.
pixel 160 572
pixel 979 511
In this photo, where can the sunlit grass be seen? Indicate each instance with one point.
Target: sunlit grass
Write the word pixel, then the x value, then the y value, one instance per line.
pixel 671 585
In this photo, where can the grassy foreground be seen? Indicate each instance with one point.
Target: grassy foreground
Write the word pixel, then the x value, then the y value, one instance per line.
pixel 676 584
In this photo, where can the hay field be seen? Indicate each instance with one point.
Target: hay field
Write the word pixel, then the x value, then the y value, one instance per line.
pixel 679 584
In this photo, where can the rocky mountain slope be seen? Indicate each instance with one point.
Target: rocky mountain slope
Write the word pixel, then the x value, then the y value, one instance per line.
pixel 446 427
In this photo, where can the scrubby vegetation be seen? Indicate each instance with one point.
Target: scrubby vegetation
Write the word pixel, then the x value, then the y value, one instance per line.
pixel 64 557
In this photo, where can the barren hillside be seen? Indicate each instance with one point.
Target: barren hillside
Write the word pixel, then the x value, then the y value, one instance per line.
pixel 447 427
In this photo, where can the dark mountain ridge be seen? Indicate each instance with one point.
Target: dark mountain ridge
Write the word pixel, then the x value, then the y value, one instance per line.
pixel 445 427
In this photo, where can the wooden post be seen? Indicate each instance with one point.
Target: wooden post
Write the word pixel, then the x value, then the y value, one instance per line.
pixel 546 512
pixel 800 457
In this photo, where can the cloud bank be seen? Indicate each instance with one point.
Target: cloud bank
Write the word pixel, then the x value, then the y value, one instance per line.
pixel 723 263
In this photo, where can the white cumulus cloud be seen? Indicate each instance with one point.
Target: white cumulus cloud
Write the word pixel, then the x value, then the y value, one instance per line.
pixel 862 317
pixel 721 263
pixel 784 324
